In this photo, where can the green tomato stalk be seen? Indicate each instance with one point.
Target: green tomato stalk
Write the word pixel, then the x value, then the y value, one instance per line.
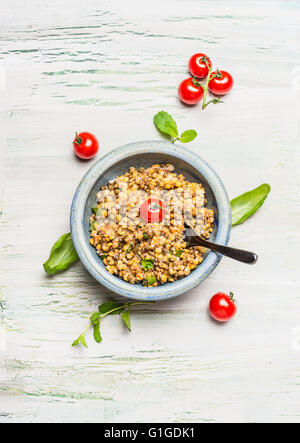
pixel 205 85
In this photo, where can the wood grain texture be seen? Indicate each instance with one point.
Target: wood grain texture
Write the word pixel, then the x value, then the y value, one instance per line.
pixel 108 67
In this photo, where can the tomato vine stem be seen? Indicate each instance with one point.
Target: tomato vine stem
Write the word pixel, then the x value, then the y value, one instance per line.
pixel 78 140
pixel 205 87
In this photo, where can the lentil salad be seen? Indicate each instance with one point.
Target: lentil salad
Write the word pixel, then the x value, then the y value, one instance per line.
pixel 138 251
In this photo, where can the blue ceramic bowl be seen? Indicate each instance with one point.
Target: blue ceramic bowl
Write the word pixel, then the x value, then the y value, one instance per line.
pixel 145 154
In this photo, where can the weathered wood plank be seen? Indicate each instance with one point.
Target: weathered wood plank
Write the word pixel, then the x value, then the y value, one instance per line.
pixel 108 67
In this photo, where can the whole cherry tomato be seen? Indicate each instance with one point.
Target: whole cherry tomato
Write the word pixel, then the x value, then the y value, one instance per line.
pixel 197 66
pixel 152 210
pixel 190 91
pixel 221 84
pixel 85 145
pixel 222 307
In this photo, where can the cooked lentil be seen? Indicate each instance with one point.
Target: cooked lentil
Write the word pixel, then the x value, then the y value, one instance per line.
pixel 149 253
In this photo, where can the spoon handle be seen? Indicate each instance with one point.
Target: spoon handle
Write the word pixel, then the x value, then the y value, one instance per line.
pixel 236 254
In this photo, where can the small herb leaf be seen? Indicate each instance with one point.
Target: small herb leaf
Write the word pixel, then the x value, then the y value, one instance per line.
pixel 146 236
pixel 109 306
pixel 97 335
pixel 82 340
pixel 188 136
pixel 245 205
pixel 166 124
pixel 126 319
pixel 179 253
pixel 98 211
pixel 92 226
pixel 151 280
pixel 147 263
pixel 95 317
pixel 62 255
pixel 77 341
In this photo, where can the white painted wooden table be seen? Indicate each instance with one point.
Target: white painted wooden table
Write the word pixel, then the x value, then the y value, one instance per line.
pixel 108 67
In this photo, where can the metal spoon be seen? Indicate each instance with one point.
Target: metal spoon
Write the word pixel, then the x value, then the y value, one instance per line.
pixel 236 254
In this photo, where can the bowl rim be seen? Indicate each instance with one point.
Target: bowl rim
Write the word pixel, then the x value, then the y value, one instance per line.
pixel 84 250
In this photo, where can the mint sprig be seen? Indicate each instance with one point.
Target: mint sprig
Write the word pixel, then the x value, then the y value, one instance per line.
pixel 167 126
pixel 105 309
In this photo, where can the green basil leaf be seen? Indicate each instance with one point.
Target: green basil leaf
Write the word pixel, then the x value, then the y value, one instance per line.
pixel 62 255
pixel 146 236
pixel 245 205
pixel 147 264
pixel 97 211
pixel 97 335
pixel 108 306
pixel 188 136
pixel 166 124
pixel 126 319
pixel 103 256
pixel 151 280
pixel 179 253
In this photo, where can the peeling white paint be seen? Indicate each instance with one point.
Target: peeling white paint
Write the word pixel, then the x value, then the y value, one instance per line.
pixel 108 67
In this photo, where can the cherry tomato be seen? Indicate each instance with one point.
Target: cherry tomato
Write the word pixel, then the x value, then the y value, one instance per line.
pixel 222 307
pixel 221 84
pixel 152 211
pixel 197 65
pixel 85 145
pixel 189 92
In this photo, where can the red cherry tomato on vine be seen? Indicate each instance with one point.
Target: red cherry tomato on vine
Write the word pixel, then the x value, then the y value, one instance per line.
pixel 152 211
pixel 222 307
pixel 221 84
pixel 197 65
pixel 85 145
pixel 189 92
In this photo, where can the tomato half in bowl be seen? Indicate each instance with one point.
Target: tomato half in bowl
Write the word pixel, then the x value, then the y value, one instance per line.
pixel 152 211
